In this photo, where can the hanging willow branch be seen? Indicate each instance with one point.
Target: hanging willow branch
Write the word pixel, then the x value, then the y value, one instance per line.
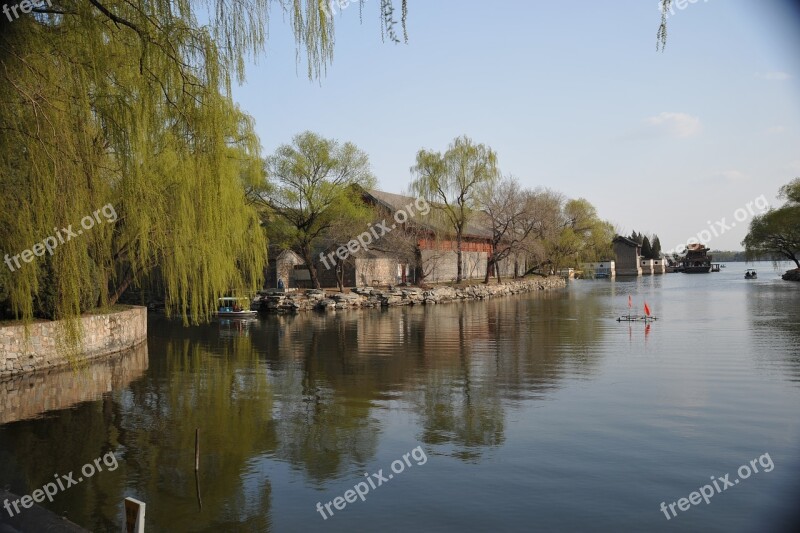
pixel 389 23
pixel 661 35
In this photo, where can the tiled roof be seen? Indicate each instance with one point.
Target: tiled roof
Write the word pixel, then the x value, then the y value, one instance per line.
pixel 396 202
pixel 626 240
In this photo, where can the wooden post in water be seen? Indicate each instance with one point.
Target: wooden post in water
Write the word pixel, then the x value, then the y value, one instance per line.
pixel 197 466
pixel 134 516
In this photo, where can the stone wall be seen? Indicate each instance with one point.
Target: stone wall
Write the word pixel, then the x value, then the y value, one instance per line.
pixel 442 266
pixel 102 335
pixel 366 297
pixel 375 271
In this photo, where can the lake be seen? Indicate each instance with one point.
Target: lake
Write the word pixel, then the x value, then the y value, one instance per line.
pixel 532 412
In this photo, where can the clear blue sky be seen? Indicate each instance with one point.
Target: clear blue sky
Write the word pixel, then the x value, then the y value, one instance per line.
pixel 570 93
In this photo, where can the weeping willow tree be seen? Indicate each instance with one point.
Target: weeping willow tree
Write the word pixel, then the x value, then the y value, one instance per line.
pixel 661 35
pixel 126 103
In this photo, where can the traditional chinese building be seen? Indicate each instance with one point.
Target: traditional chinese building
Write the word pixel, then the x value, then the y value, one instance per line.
pixel 628 253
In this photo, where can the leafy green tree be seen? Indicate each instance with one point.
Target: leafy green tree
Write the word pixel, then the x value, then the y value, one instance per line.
pixel 583 237
pixel 776 233
pixel 452 182
pixel 315 191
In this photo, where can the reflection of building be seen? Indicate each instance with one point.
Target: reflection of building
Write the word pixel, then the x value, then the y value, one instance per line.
pixel 627 253
pixel 32 395
pixel 697 260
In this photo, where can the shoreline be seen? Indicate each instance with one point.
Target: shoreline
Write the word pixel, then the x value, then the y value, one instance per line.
pixel 368 297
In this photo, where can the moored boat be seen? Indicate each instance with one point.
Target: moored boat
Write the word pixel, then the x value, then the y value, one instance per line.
pixel 233 307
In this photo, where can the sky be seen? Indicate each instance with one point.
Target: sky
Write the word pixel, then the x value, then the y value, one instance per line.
pixel 571 94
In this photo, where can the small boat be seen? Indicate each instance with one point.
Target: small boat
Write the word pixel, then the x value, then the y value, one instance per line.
pixel 750 274
pixel 647 317
pixel 634 318
pixel 233 307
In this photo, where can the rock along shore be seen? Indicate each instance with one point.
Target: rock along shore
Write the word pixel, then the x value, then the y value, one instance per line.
pixel 792 275
pixel 368 297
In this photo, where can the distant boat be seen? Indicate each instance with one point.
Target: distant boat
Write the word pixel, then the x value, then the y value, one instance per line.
pixel 750 274
pixel 233 307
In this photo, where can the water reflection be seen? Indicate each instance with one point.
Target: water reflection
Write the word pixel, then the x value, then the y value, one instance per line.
pixel 772 308
pixel 200 379
pixel 33 395
pixel 293 406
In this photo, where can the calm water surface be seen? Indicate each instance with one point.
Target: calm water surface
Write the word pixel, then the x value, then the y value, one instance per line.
pixel 536 412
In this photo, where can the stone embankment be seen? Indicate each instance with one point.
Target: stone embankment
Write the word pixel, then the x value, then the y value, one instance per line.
pixel 792 275
pixel 40 347
pixel 368 297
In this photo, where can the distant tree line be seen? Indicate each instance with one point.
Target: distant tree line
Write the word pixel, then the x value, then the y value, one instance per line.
pixel 727 256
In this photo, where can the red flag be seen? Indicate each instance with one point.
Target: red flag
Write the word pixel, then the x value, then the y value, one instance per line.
pixel 630 301
pixel 646 309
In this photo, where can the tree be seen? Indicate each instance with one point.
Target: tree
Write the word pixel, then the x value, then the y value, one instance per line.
pixel 777 232
pixel 451 183
pixel 520 221
pixel 583 235
pixel 314 191
pixel 647 250
pixel 791 191
pixel 545 208
pixel 506 206
pixel 656 248
pixel 127 103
